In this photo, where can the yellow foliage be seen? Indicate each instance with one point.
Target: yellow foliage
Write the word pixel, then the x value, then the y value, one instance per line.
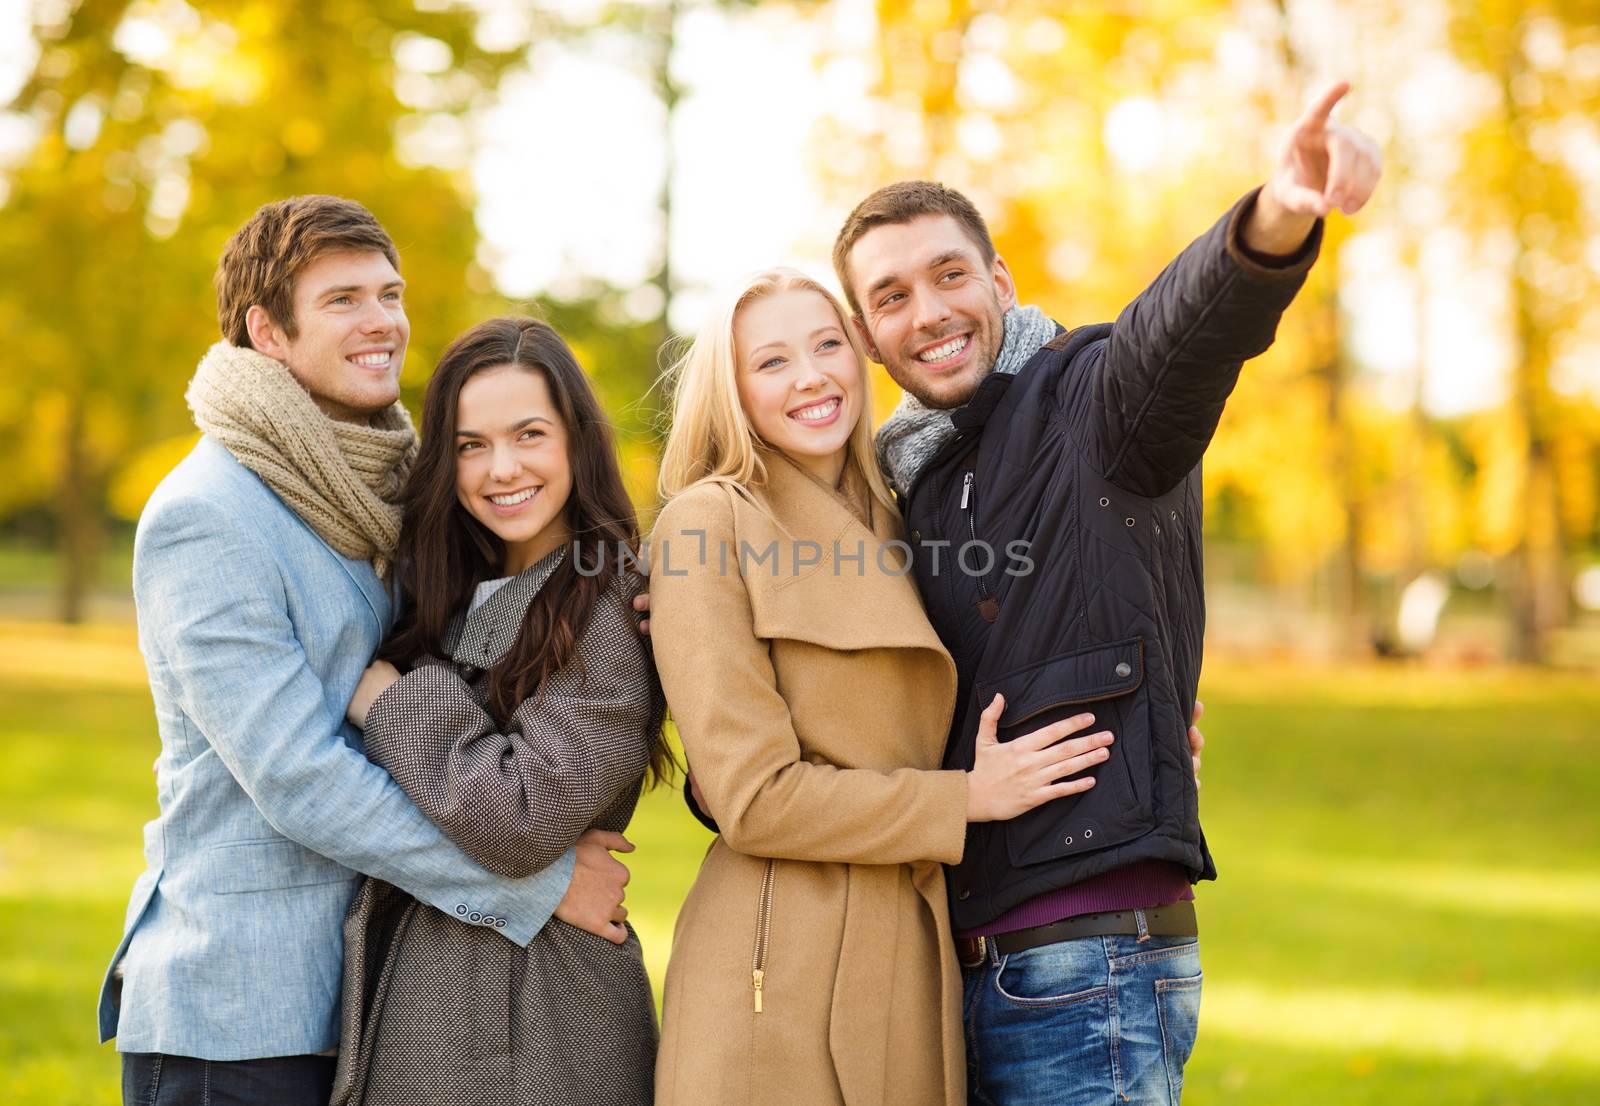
pixel 135 480
pixel 1499 445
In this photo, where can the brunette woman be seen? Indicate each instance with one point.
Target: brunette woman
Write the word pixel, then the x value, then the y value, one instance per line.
pixel 813 961
pixel 528 712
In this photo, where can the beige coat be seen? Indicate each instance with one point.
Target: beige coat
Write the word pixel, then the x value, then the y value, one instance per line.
pixel 812 961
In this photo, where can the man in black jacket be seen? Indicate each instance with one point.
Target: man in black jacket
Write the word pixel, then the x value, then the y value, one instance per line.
pixel 1051 481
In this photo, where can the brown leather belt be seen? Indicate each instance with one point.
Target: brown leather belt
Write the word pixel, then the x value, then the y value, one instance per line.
pixel 1177 920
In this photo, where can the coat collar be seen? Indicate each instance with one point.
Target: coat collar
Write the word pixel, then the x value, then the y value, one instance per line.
pixel 481 638
pixel 860 593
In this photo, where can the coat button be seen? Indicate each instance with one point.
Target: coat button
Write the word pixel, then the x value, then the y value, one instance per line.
pixel 964 896
pixel 461 909
pixel 916 536
pixel 1124 669
pixel 499 923
pixel 474 917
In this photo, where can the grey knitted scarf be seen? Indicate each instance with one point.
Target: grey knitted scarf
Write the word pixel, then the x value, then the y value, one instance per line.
pixel 910 437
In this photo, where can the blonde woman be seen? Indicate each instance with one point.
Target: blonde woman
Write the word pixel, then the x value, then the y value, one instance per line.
pixel 813 961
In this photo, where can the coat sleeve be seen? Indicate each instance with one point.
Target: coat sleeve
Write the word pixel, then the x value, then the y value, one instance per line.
pixel 765 797
pixel 1147 400
pixel 516 797
pixel 213 608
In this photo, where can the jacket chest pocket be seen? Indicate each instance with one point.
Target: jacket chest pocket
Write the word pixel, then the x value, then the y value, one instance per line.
pixel 1106 681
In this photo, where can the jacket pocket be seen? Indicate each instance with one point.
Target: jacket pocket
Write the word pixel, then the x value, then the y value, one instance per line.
pixel 497 970
pixel 269 865
pixel 1106 681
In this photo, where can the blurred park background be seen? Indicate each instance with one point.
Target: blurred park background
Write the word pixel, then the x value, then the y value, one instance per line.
pixel 1403 546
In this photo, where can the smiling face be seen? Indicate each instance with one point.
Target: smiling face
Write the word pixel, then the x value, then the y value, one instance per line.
pixel 800 382
pixel 350 337
pixel 932 310
pixel 513 471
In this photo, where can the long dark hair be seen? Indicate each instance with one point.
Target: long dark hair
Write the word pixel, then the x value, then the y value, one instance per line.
pixel 445 553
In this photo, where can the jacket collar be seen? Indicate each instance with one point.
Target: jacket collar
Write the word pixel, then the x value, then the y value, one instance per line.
pixel 801 500
pixel 993 388
pixel 977 410
pixel 480 639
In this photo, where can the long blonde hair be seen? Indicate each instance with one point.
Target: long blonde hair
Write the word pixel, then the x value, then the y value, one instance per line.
pixel 711 440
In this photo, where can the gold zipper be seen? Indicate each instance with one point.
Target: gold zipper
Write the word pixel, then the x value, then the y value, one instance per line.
pixel 758 958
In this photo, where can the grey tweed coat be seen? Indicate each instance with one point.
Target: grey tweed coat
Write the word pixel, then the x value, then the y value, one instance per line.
pixel 441 1009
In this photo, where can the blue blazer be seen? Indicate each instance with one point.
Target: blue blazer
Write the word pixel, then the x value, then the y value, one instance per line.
pixel 255 632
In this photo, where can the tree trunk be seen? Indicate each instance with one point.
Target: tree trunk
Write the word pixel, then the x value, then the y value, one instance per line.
pixel 1539 589
pixel 79 518
pixel 669 92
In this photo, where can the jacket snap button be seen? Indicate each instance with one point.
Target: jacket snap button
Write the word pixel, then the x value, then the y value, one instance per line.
pixel 1174 516
pixel 1124 669
pixel 1104 502
pixel 1128 521
pixel 1068 841
pixel 916 536
pixel 964 896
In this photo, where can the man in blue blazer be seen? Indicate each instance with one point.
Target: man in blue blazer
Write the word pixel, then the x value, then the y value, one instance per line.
pixel 260 602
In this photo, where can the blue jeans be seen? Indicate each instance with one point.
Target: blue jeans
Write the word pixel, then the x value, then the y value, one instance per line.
pixel 155 1079
pixel 1095 1021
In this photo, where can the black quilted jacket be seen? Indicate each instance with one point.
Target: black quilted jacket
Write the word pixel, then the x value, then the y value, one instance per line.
pixel 1091 455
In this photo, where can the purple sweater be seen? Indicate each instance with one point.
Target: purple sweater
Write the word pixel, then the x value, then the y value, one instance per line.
pixel 1140 886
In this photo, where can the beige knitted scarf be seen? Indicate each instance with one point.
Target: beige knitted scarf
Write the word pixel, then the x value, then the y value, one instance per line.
pixel 343 479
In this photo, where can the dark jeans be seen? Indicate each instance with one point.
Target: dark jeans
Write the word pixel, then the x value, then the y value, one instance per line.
pixel 155 1079
pixel 1083 1022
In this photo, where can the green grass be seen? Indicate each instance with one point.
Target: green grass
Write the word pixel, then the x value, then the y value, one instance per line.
pixel 1410 881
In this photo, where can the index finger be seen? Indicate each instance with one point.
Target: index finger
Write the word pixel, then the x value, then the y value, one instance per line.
pixel 606 839
pixel 1322 106
pixel 1047 736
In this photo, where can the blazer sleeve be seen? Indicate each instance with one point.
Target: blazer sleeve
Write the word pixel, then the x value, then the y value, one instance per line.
pixel 213 606
pixel 1148 399
pixel 765 797
pixel 516 797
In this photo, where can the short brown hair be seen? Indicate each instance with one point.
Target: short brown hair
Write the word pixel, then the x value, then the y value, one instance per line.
pixel 261 261
pixel 902 202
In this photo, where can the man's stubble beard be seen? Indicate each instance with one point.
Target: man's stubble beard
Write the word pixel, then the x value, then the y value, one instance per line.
pixel 964 388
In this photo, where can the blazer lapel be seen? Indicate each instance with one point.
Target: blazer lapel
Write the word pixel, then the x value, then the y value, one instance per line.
pixel 361 573
pixel 371 587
